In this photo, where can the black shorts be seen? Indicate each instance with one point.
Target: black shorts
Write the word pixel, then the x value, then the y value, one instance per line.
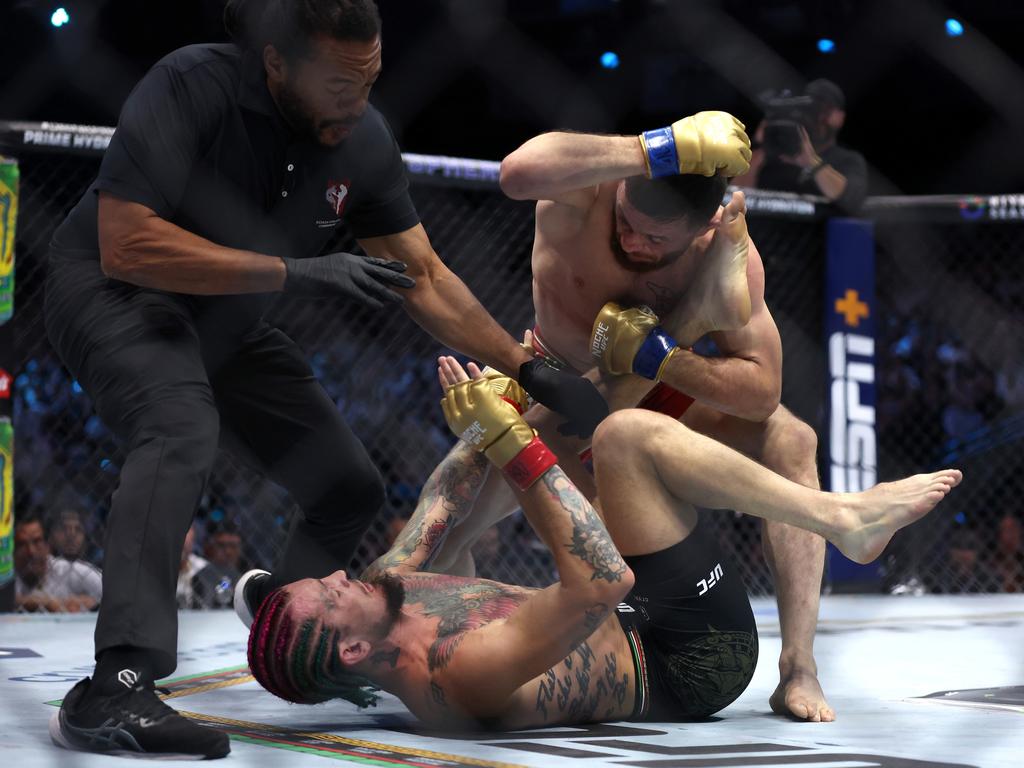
pixel 690 628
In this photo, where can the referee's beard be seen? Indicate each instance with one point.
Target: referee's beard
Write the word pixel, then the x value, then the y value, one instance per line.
pixel 301 119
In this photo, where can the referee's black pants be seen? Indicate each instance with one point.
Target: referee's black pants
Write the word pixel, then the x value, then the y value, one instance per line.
pixel 139 357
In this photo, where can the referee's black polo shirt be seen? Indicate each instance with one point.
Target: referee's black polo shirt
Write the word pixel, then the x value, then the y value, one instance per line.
pixel 201 143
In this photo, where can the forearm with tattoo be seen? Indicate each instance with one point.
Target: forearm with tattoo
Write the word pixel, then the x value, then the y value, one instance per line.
pixel 585 537
pixel 446 499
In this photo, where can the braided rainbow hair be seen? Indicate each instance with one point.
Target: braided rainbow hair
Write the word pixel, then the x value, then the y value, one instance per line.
pixel 299 662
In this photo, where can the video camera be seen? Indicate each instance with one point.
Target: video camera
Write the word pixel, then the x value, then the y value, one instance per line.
pixel 784 113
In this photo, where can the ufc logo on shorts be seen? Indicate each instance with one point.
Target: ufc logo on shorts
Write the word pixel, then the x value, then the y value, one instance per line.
pixel 713 578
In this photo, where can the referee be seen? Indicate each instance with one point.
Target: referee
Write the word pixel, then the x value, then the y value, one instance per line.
pixel 231 168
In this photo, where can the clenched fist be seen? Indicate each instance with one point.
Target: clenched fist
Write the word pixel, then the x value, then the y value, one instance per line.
pixel 704 143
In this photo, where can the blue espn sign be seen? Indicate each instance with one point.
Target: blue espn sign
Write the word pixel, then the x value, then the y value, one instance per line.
pixel 850 341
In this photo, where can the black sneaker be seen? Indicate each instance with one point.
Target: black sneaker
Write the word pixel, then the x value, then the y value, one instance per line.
pixel 248 595
pixel 133 722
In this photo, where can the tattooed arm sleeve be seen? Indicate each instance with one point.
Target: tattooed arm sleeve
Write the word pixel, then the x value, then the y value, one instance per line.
pixel 446 499
pixel 582 547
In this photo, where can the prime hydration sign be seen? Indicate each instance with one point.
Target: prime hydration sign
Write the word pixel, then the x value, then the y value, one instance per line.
pixel 850 337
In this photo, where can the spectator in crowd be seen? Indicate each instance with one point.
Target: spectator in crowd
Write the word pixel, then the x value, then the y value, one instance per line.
pixel 223 548
pixel 820 166
pixel 961 576
pixel 191 565
pixel 1008 560
pixel 67 535
pixel 972 402
pixel 213 585
pixel 47 583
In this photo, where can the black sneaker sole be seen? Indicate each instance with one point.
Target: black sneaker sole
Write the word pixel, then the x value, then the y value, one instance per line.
pixel 64 735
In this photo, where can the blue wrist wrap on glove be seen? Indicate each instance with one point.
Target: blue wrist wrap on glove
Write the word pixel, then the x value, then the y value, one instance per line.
pixel 656 347
pixel 661 152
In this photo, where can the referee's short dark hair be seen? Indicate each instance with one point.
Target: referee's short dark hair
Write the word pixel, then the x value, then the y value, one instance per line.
pixel 291 25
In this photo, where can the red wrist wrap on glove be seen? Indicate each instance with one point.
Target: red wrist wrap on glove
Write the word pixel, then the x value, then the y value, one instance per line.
pixel 529 464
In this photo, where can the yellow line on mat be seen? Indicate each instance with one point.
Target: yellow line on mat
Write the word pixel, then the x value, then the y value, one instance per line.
pixel 330 737
pixel 209 687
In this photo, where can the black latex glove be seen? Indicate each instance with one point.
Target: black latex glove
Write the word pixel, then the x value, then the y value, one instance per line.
pixel 566 393
pixel 362 278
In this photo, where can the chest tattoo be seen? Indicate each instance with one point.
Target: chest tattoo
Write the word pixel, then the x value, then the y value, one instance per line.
pixel 663 298
pixel 462 605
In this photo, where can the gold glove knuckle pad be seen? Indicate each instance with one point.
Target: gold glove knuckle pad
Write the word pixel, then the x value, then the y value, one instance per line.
pixel 487 422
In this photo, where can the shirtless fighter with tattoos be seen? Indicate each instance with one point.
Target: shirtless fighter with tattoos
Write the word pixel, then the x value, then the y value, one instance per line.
pixel 648 619
pixel 608 232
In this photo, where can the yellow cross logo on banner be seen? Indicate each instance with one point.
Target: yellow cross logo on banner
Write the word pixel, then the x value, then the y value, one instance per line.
pixel 852 308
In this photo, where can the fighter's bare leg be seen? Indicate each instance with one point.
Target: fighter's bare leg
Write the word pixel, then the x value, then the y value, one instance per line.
pixel 696 469
pixel 795 557
pixel 640 512
pixel 718 298
pixel 796 560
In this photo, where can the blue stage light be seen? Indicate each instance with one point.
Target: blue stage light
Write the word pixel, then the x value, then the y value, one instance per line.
pixel 60 17
pixel 610 60
pixel 826 46
pixel 954 28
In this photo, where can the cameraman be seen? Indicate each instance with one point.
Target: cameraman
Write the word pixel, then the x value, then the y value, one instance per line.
pixel 808 160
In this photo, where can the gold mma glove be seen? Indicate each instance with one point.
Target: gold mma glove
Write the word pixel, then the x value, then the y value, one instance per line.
pixel 480 416
pixel 704 143
pixel 629 340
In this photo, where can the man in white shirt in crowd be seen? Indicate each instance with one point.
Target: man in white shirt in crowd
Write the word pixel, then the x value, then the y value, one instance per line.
pixel 47 583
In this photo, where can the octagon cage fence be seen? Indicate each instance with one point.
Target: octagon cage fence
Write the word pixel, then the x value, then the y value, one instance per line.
pixel 949 370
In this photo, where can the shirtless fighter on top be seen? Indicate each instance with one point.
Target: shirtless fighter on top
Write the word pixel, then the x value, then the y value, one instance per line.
pixel 607 232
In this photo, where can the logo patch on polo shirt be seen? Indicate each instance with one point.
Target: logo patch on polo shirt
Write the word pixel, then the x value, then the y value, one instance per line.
pixel 337 192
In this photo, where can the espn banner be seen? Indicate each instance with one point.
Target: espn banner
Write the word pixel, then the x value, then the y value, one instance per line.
pixel 850 343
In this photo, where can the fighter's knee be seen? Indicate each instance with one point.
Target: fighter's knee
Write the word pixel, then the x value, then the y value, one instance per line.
pixel 794 448
pixel 620 430
pixel 802 441
pixel 631 432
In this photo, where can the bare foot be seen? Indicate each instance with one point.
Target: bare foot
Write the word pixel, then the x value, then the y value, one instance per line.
pixel 877 513
pixel 719 296
pixel 799 695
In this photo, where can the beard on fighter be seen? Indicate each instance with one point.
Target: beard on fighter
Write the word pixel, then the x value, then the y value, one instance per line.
pixel 624 261
pixel 394 598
